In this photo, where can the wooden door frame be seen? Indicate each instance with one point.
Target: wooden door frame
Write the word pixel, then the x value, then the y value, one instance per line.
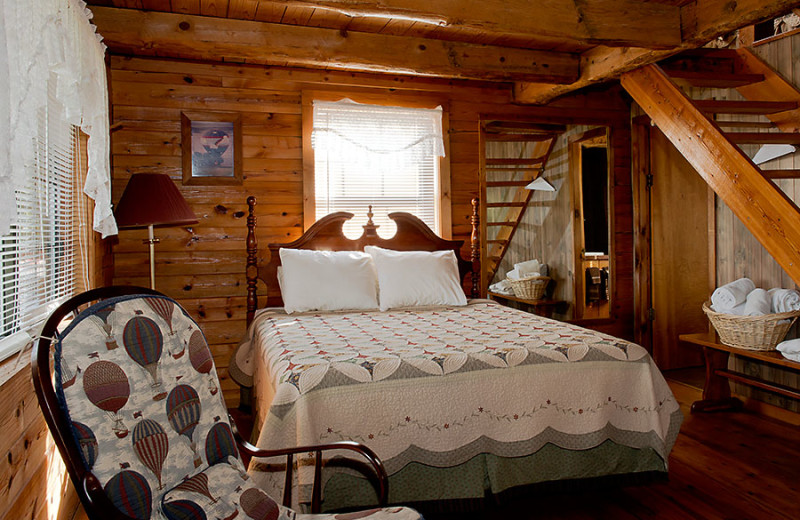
pixel 574 150
pixel 642 236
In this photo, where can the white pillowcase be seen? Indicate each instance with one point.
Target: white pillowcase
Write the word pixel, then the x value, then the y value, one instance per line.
pixel 417 278
pixel 327 280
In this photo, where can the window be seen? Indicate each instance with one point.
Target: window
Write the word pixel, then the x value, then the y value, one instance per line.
pixel 387 157
pixel 37 264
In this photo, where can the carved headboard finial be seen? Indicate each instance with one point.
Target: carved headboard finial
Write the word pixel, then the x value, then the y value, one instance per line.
pixel 370 229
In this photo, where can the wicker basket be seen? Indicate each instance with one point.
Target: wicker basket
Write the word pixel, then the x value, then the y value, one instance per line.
pixel 751 332
pixel 530 288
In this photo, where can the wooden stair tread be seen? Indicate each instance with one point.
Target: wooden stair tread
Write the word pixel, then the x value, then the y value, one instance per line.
pixel 743 107
pixel 763 137
pixel 506 204
pixel 511 137
pixel 501 184
pixel 512 162
pixel 709 52
pixel 713 79
pixel 501 223
pixel 523 127
pixel 745 124
pixel 781 174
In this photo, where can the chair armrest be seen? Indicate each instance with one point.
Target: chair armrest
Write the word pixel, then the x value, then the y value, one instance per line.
pixel 364 451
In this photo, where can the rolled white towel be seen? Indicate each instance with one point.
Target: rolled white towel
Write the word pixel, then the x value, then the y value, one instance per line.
pixel 784 300
pixel 730 295
pixel 736 311
pixel 758 303
pixel 790 349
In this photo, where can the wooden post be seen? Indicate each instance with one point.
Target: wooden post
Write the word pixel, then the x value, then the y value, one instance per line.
pixel 251 271
pixel 476 250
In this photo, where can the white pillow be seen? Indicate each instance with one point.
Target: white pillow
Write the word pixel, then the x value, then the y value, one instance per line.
pixel 417 278
pixel 327 280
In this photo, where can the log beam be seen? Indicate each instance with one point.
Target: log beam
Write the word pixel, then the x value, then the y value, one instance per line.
pixel 606 22
pixel 765 210
pixel 701 22
pixel 128 31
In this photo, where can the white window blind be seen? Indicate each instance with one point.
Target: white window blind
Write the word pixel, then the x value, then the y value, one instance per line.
pixel 387 157
pixel 37 264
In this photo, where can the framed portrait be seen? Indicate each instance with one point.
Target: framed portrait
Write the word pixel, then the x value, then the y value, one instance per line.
pixel 212 148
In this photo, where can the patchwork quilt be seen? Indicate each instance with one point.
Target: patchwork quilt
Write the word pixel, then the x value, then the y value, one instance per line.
pixel 137 380
pixel 439 386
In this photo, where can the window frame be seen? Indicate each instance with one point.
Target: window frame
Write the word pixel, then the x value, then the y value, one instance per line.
pixel 82 254
pixel 444 226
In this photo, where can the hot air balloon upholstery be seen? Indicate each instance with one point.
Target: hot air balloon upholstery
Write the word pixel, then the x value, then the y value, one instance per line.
pixel 171 457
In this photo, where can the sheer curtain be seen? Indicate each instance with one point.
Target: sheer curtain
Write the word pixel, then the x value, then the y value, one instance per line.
pixel 382 156
pixel 45 41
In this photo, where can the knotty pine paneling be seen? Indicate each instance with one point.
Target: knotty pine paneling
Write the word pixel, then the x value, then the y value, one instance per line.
pixel 202 266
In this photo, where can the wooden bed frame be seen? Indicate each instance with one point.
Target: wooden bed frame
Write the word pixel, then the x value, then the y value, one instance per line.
pixel 326 234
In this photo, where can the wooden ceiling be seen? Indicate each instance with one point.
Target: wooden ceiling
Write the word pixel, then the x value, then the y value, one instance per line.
pixel 546 47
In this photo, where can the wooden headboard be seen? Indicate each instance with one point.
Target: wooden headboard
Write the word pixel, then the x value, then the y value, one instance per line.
pixel 326 235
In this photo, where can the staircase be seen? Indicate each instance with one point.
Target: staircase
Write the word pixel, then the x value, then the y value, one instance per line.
pixel 515 154
pixel 708 132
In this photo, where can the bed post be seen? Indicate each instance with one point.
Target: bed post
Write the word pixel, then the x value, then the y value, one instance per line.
pixel 475 242
pixel 251 271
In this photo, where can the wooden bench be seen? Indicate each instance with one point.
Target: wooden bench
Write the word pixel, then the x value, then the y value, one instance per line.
pixel 541 307
pixel 717 392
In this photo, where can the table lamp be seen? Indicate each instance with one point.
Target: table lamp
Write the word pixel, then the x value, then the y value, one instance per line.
pixel 152 199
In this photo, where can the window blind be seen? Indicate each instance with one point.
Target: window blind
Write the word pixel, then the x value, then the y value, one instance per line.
pixel 387 157
pixel 37 264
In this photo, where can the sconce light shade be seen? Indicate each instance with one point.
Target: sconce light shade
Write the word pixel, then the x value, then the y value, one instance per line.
pixel 152 199
pixel 540 184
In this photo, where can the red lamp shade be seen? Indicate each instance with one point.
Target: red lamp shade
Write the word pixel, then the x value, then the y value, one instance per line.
pixel 152 199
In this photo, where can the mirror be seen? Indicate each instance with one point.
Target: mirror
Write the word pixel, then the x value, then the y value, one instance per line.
pixel 589 160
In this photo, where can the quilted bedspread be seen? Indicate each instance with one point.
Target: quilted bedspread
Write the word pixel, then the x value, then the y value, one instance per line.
pixel 439 386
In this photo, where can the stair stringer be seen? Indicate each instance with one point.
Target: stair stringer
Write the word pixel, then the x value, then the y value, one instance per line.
pixel 765 210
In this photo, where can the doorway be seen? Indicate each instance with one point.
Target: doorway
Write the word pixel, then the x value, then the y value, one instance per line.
pixel 677 205
pixel 589 160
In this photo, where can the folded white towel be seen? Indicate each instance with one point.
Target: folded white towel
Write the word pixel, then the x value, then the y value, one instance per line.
pixel 784 300
pixel 758 303
pixel 502 287
pixel 730 295
pixel 529 268
pixel 790 349
pixel 513 274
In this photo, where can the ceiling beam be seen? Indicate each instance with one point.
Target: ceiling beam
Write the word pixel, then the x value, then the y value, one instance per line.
pixel 129 31
pixel 607 22
pixel 701 22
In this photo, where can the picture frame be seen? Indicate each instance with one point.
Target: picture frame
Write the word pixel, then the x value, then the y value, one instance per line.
pixel 212 148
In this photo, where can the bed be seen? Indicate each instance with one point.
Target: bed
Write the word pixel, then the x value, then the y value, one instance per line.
pixel 460 401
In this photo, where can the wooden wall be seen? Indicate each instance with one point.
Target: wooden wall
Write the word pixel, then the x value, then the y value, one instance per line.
pixel 202 266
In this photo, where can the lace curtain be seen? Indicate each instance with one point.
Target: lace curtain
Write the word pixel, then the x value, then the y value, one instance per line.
pixel 44 41
pixel 377 129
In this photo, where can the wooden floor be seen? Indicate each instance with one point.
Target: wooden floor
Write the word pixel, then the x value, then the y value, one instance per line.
pixel 723 466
